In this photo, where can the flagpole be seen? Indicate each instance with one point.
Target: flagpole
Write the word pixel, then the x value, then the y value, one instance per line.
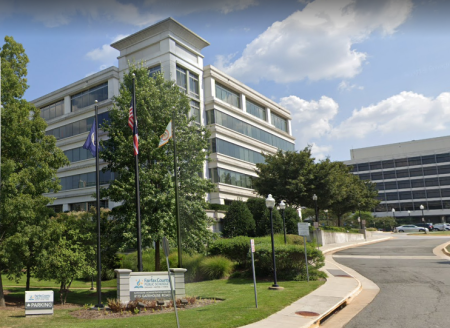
pixel 177 207
pixel 136 178
pixel 97 187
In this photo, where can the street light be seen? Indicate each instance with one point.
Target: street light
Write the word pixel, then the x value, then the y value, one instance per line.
pixel 393 212
pixel 359 217
pixel 282 206
pixel 409 213
pixel 422 207
pixel 270 203
pixel 326 211
pixel 315 205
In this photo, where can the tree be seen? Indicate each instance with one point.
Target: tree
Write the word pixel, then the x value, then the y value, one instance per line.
pixel 157 101
pixel 238 221
pixel 29 161
pixel 69 252
pixel 286 176
pixel 291 219
pixel 261 215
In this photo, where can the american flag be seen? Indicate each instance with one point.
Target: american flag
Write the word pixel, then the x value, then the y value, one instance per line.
pixel 132 123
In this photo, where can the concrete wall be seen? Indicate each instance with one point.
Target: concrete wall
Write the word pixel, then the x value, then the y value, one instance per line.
pixel 326 237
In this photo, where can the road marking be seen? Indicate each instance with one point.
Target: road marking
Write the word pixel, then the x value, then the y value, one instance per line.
pixel 385 257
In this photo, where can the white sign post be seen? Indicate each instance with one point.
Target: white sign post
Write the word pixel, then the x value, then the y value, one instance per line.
pixel 39 302
pixel 303 230
pixel 252 249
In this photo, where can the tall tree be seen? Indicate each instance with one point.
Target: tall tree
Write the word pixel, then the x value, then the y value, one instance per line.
pixel 238 221
pixel 261 215
pixel 287 176
pixel 157 102
pixel 29 161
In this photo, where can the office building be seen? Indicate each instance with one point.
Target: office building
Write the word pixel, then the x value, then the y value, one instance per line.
pixel 242 122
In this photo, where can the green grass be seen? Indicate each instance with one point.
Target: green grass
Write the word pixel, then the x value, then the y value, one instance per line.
pixel 44 283
pixel 237 309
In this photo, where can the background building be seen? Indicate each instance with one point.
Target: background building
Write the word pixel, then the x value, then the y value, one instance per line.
pixel 242 122
pixel 408 175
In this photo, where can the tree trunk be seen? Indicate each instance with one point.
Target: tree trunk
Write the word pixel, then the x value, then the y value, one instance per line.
pixel 339 220
pixel 27 287
pixel 61 293
pixel 2 296
pixel 157 256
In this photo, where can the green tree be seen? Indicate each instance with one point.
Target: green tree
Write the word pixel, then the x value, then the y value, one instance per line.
pixel 69 252
pixel 29 161
pixel 157 101
pixel 238 221
pixel 286 176
pixel 291 219
pixel 261 215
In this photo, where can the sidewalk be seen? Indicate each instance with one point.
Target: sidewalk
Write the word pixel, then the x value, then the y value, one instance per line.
pixel 339 288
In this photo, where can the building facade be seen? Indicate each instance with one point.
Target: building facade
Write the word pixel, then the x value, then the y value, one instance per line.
pixel 409 176
pixel 243 123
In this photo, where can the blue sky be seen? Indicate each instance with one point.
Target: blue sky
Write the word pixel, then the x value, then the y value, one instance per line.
pixel 353 73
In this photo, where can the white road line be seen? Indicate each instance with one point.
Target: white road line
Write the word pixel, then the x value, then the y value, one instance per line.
pixel 384 257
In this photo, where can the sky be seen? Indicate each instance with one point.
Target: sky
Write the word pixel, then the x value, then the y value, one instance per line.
pixel 353 73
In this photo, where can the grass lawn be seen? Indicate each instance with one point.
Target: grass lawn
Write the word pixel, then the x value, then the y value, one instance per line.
pixel 36 283
pixel 237 309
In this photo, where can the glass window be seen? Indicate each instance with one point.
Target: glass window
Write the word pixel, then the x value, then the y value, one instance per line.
pixel 446 204
pixel 445 192
pixel 435 205
pixel 402 174
pixel 404 195
pixel 418 183
pixel 381 197
pixel 435 193
pixel 193 85
pixel 78 127
pixel 354 168
pixel 391 196
pixel 181 79
pixel 401 162
pixel 415 172
pixel 230 177
pixel 379 185
pixel 228 96
pixel 417 205
pixel 432 182
pixel 444 181
pixel 195 110
pixel 414 161
pixel 255 110
pixel 389 175
pixel 364 176
pixel 375 166
pixel 376 176
pixel 381 207
pixel 230 149
pixel 152 71
pixel 404 184
pixel 419 194
pixel 430 159
pixel 249 130
pixel 279 122
pixel 390 185
pixel 363 167
pixel 53 110
pixel 444 169
pixel 388 164
pixel 441 158
pixel 88 97
pixel 406 207
pixel 429 171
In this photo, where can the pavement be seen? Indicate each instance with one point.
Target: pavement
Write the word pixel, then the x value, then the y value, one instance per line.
pixel 342 286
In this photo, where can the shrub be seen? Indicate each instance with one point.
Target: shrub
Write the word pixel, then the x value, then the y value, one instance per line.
pixel 261 215
pixel 216 267
pixel 129 261
pixel 290 261
pixel 238 221
pixel 235 249
pixel 191 263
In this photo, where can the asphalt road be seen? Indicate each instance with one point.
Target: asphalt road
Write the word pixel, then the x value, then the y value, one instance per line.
pixel 414 283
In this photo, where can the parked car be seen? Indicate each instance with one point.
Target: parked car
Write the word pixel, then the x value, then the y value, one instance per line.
pixel 411 228
pixel 441 226
pixel 429 226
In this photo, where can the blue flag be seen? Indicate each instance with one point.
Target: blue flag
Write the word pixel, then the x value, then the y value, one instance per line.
pixel 90 141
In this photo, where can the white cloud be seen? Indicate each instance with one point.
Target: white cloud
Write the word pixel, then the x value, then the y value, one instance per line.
pixel 317 42
pixel 345 86
pixel 183 7
pixel 320 152
pixel 406 113
pixel 106 54
pixel 311 120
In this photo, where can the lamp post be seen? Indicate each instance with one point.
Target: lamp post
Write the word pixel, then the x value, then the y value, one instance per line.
pixel 315 206
pixel 270 203
pixel 282 206
pixel 393 213
pixel 359 217
pixel 326 211
pixel 359 222
pixel 409 214
pixel 422 207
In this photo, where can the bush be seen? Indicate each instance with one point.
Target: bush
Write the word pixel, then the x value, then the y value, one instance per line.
pixel 238 221
pixel 191 263
pixel 261 215
pixel 340 229
pixel 217 207
pixel 216 267
pixel 290 261
pixel 129 261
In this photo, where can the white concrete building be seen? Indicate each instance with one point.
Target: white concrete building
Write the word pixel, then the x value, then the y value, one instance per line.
pixel 408 175
pixel 242 121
